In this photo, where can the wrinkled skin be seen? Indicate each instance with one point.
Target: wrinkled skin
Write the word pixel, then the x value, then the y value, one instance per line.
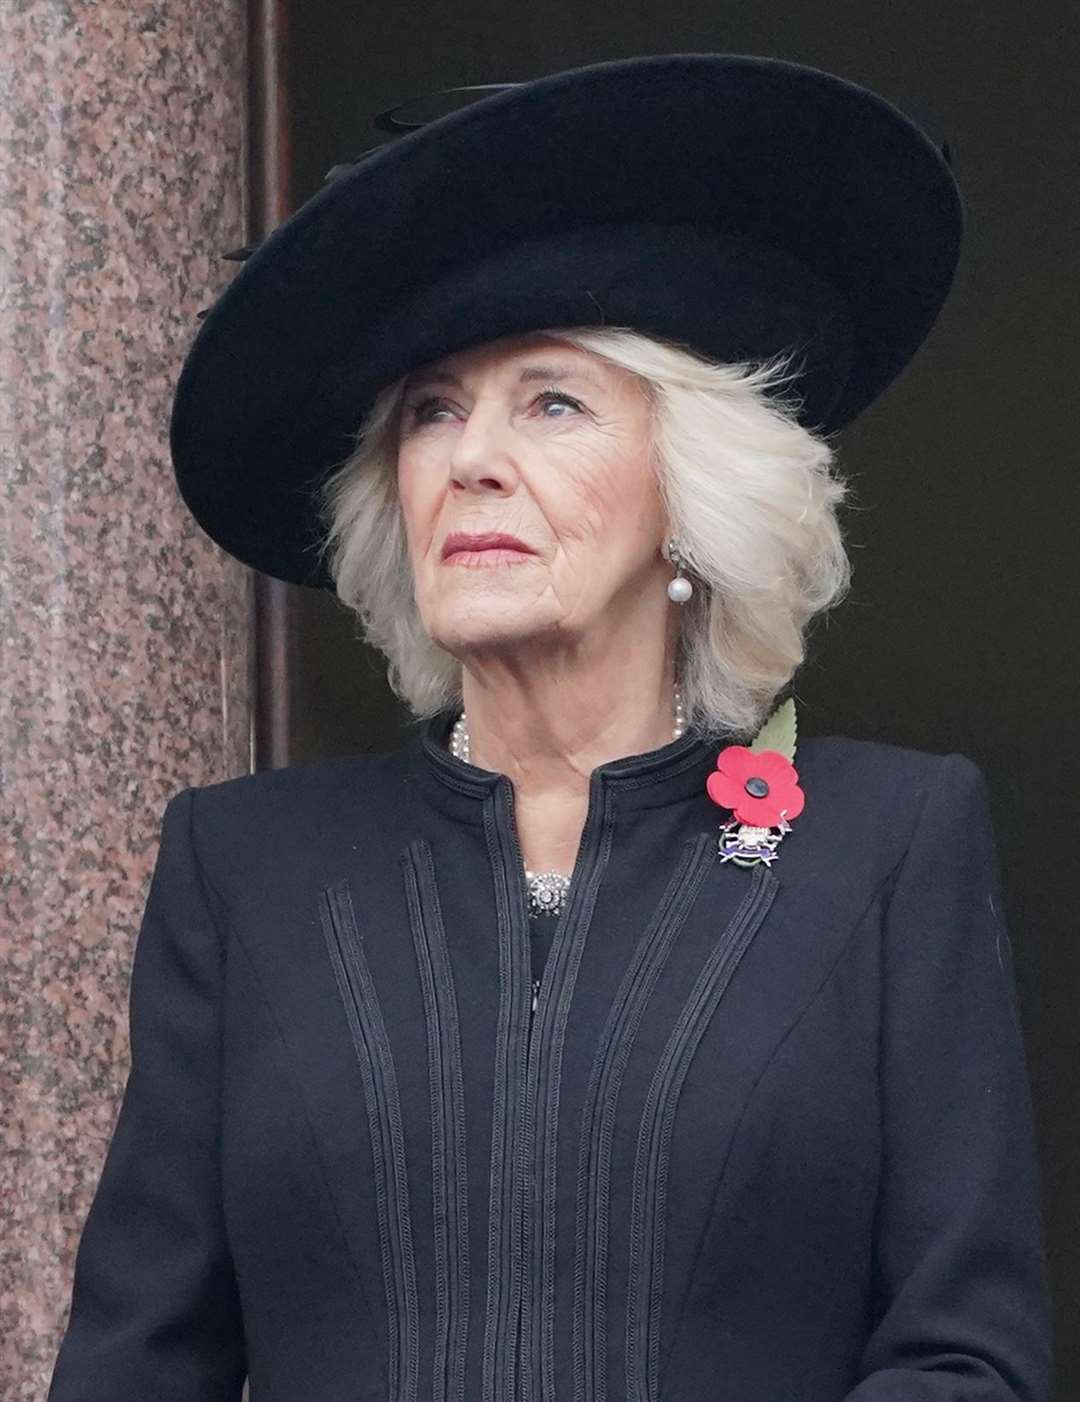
pixel 568 653
pixel 575 483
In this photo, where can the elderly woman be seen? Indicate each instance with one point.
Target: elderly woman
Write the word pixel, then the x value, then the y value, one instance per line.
pixel 584 1047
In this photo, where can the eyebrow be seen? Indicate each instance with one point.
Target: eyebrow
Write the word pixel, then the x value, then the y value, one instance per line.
pixel 549 372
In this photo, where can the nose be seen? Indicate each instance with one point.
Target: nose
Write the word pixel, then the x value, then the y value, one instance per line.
pixel 481 457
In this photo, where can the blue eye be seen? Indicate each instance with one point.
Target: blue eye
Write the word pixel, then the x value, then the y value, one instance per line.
pixel 557 396
pixel 419 409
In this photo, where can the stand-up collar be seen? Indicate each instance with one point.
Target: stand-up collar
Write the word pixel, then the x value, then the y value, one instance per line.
pixel 671 773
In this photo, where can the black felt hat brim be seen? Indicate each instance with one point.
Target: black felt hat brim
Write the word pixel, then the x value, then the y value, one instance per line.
pixel 736 205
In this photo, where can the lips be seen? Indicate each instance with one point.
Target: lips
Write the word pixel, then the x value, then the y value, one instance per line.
pixel 489 540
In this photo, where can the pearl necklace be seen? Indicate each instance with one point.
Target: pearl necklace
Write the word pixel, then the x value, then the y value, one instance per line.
pixel 547 889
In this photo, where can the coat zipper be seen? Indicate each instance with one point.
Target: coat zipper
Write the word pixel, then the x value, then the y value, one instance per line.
pixel 583 865
pixel 518 884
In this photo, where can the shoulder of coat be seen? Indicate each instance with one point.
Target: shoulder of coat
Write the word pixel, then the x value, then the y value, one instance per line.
pixel 296 786
pixel 864 774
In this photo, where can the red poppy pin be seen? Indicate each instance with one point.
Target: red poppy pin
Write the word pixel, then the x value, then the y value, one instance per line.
pixel 761 787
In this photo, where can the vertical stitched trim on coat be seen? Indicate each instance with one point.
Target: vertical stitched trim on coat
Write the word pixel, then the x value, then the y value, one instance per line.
pixel 387 1140
pixel 505 1192
pixel 645 1286
pixel 566 957
pixel 449 1176
pixel 598 1115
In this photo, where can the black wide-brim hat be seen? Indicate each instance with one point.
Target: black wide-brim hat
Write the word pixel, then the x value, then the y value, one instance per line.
pixel 737 206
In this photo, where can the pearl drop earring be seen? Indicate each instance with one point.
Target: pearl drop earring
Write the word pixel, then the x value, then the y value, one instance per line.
pixel 680 588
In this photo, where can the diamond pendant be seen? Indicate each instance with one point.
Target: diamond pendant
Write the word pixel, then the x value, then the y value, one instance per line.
pixel 547 892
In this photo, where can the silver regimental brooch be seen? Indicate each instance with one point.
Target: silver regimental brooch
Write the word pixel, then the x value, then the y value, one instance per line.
pixel 760 785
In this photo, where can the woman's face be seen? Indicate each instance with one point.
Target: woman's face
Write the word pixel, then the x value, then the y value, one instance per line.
pixel 532 438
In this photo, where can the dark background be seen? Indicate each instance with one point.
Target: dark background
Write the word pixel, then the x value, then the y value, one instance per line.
pixel 961 629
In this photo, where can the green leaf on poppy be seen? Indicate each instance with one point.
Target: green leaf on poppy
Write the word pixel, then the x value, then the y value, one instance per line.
pixel 779 731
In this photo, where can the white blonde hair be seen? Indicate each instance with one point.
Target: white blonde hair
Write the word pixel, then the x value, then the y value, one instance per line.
pixel 751 498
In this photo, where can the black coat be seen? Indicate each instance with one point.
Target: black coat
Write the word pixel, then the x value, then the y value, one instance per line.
pixel 767 1136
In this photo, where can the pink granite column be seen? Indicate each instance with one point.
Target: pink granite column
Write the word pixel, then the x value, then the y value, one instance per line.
pixel 124 634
